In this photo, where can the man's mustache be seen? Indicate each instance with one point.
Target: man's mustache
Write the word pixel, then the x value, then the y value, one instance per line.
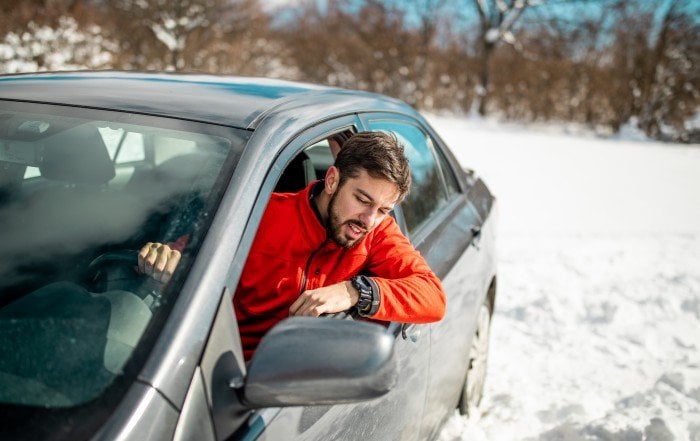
pixel 358 224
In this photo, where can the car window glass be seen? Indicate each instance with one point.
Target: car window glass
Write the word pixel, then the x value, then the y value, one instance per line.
pixel 123 146
pixel 167 147
pixel 31 172
pixel 427 193
pixel 72 308
pixel 112 138
pixel 450 179
pixel 132 148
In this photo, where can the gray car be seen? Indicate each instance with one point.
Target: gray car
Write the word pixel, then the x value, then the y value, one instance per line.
pixel 94 165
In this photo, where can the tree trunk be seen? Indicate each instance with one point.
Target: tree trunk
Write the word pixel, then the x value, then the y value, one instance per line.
pixel 484 76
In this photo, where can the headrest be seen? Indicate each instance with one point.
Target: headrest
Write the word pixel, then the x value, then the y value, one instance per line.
pixel 77 155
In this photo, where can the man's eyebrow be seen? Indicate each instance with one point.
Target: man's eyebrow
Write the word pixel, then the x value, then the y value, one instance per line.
pixel 365 194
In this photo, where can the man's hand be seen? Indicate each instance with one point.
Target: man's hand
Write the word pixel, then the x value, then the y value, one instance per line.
pixel 327 300
pixel 158 261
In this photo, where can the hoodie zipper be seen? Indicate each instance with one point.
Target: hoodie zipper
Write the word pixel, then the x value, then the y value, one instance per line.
pixel 308 266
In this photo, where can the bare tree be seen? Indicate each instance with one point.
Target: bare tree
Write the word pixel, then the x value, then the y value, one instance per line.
pixel 673 75
pixel 176 35
pixel 496 21
pixel 366 48
pixel 655 55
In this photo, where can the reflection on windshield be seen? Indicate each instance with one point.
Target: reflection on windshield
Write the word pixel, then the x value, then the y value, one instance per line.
pixel 78 196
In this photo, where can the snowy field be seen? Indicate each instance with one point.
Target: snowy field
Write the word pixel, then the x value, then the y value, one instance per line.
pixel 596 334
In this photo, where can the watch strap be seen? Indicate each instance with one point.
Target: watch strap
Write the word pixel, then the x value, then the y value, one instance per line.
pixel 368 302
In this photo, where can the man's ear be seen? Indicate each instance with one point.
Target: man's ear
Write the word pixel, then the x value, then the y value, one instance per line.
pixel 332 179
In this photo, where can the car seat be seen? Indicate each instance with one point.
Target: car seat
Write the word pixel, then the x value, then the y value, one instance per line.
pixel 68 214
pixel 299 173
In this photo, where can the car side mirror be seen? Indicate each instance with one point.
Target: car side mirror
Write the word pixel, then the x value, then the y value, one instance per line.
pixel 307 361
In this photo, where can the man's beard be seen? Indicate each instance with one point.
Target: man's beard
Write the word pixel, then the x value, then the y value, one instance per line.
pixel 335 226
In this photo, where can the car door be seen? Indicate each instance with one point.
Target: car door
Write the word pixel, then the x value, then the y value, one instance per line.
pixel 439 222
pixel 396 415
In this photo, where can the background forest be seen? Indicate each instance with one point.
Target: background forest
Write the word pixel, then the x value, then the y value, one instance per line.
pixel 599 63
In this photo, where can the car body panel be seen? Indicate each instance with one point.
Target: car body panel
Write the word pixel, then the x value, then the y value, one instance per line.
pixel 143 414
pixel 195 422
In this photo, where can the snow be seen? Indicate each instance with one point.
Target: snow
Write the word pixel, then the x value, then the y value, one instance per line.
pixel 597 322
pixel 65 47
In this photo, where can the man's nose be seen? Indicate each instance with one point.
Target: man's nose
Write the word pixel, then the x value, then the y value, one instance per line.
pixel 368 217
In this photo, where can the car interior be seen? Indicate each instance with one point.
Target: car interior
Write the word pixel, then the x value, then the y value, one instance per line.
pixel 309 165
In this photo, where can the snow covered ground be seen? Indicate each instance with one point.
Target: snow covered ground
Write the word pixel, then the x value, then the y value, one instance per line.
pixel 596 334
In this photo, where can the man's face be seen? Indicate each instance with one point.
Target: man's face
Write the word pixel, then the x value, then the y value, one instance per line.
pixel 358 206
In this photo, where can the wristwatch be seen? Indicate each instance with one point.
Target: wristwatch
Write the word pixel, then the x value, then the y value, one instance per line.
pixel 368 303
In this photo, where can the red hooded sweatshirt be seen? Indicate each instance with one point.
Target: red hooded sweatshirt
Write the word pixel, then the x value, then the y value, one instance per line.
pixel 291 253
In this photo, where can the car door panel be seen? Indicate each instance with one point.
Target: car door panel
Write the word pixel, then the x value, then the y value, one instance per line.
pixel 195 422
pixel 451 337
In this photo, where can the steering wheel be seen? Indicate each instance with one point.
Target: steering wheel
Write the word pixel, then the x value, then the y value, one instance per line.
pixel 116 269
pixel 123 256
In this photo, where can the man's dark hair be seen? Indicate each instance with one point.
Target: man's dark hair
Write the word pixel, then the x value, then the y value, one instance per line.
pixel 380 154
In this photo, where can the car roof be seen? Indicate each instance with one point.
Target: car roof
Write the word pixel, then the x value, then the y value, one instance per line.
pixel 231 101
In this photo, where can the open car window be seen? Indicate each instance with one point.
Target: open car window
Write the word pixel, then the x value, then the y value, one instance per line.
pixel 80 192
pixel 310 164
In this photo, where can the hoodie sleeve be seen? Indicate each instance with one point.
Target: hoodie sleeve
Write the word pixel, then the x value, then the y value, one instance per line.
pixel 409 291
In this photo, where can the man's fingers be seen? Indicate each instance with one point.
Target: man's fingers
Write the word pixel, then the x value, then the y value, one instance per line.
pixel 314 311
pixel 158 261
pixel 296 305
pixel 143 256
pixel 308 304
pixel 169 270
pixel 161 259
pixel 150 260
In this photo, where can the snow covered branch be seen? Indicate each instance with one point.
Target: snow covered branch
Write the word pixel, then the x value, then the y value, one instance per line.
pixel 64 47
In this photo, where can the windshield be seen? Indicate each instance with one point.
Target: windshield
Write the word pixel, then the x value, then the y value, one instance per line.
pixel 80 192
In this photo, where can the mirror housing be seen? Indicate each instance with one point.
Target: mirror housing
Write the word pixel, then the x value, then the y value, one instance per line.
pixel 308 361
